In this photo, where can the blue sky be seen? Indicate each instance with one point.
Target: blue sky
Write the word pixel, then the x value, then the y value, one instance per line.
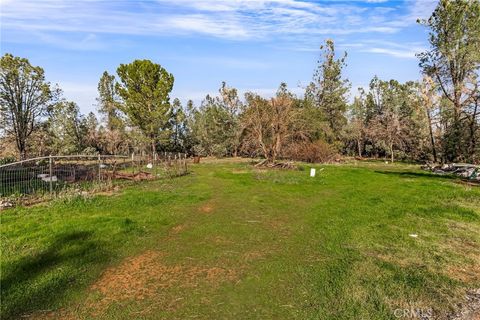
pixel 250 44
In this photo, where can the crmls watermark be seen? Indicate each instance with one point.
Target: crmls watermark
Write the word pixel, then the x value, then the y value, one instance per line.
pixel 414 313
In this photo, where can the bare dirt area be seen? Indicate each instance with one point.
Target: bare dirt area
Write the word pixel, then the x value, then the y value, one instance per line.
pixel 146 275
pixel 206 208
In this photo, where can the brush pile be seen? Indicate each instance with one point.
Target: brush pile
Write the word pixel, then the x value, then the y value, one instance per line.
pixel 462 170
pixel 276 165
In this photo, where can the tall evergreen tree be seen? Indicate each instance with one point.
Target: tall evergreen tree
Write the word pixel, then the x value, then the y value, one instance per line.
pixel 108 102
pixel 145 88
pixel 330 90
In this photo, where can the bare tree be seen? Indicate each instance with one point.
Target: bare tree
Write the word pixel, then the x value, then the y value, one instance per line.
pixel 270 123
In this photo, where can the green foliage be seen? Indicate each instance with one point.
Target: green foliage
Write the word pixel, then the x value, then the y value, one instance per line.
pixel 329 91
pixel 109 103
pixel 216 125
pixel 67 128
pixel 211 129
pixel 179 127
pixel 24 98
pixel 7 160
pixel 144 88
pixel 453 61
pixel 388 120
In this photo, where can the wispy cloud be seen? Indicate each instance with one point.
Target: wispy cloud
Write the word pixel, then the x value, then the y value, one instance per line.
pixel 394 49
pixel 228 19
pixel 408 54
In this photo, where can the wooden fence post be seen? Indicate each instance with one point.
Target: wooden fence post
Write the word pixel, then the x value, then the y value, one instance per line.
pixel 50 173
pixel 185 162
pixel 99 168
pixel 133 164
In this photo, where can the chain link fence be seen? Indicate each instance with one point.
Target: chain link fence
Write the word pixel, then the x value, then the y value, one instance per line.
pixel 49 175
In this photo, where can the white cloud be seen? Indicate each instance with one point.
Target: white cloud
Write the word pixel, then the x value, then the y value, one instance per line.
pixel 230 19
pixel 407 54
pixel 394 49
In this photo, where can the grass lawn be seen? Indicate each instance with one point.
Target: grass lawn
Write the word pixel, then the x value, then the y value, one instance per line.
pixel 230 241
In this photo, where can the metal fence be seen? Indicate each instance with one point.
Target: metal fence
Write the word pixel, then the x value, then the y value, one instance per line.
pixel 48 175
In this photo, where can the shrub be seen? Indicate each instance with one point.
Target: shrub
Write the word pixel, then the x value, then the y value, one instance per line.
pixel 7 160
pixel 318 151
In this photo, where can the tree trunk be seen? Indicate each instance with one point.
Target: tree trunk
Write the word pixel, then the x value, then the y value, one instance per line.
pixel 473 140
pixel 391 152
pixel 457 129
pixel 153 146
pixel 22 152
pixel 432 139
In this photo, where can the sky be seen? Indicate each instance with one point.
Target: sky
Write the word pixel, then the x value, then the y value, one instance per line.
pixel 253 45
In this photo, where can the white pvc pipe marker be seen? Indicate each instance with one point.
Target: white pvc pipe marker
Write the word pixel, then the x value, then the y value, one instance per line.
pixel 312 172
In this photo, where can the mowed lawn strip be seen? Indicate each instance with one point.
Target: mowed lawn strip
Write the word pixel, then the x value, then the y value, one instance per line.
pixel 231 241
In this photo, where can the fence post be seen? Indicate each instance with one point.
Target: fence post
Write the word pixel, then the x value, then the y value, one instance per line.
pixel 155 163
pixel 133 164
pixel 50 173
pixel 99 165
pixel 175 164
pixel 185 162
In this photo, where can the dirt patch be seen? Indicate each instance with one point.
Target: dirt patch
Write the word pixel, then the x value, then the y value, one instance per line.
pixel 146 275
pixel 465 273
pixel 206 208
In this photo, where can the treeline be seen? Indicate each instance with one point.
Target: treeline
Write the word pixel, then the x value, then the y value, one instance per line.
pixel 436 119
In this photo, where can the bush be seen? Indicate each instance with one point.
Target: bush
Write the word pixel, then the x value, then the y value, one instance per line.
pixel 7 160
pixel 318 151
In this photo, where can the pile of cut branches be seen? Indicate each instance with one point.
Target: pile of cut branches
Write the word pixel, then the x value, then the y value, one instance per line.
pixel 276 165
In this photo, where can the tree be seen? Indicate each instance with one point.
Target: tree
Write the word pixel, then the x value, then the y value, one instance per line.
pixel 330 90
pixel 178 124
pixel 430 102
pixel 211 129
pixel 67 128
pixel 216 125
pixel 230 101
pixel 108 102
pixel 453 61
pixel 144 88
pixel 24 99
pixel 394 119
pixel 109 105
pixel 356 129
pixel 271 124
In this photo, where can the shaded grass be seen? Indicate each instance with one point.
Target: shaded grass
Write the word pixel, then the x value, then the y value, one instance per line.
pixel 333 247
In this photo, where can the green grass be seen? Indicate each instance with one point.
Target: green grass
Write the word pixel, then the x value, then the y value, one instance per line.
pixel 229 241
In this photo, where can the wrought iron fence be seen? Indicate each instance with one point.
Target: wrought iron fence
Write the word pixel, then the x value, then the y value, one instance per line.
pixel 48 175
